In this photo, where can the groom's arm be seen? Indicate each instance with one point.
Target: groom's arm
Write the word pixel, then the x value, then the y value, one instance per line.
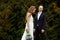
pixel 44 21
pixel 35 21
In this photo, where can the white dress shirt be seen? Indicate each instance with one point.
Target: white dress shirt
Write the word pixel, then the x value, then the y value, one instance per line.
pixel 39 14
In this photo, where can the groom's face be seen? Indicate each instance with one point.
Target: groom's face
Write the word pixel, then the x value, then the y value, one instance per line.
pixel 40 8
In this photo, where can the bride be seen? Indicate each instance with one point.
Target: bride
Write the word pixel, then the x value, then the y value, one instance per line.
pixel 29 23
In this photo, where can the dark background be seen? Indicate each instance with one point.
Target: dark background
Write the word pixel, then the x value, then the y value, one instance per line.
pixel 12 18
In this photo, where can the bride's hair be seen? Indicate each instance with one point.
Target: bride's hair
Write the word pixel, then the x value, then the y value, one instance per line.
pixel 31 9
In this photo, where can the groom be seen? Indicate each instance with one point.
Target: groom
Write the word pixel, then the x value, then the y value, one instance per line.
pixel 39 24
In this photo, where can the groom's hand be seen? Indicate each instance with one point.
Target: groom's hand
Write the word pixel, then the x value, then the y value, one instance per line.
pixel 42 31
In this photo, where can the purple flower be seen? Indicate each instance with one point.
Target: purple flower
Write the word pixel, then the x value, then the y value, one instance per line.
pixel 29 37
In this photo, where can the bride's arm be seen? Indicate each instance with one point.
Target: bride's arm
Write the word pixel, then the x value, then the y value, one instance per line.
pixel 27 19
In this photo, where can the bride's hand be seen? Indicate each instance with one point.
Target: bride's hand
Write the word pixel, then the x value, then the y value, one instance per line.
pixel 27 30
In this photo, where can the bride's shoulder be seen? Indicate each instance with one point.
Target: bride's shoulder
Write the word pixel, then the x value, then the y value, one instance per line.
pixel 28 14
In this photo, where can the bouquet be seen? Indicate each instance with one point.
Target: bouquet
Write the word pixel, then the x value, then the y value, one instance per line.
pixel 28 37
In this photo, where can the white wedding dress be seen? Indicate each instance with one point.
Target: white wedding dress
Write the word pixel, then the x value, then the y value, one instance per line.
pixel 31 29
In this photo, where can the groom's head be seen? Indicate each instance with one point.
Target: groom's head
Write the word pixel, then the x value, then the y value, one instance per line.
pixel 40 8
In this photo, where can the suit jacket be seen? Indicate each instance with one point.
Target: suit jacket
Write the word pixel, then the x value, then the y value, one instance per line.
pixel 40 24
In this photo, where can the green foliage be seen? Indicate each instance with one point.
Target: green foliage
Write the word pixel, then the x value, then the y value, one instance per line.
pixel 12 18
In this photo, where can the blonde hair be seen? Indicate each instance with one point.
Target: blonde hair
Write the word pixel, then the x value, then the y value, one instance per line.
pixel 31 9
pixel 40 6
